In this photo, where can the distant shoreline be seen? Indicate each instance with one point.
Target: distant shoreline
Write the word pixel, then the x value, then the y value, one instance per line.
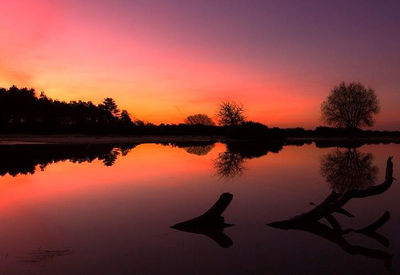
pixel 88 139
pixel 120 139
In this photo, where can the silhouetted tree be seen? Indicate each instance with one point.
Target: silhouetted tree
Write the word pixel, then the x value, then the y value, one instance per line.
pixel 125 118
pixel 199 119
pixel 350 106
pixel 230 114
pixel 348 170
pixel 21 110
pixel 139 122
pixel 111 106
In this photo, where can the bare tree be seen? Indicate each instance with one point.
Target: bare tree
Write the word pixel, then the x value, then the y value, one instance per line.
pixel 350 106
pixel 199 119
pixel 230 114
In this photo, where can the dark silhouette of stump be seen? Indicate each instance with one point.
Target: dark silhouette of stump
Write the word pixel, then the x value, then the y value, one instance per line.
pixel 211 223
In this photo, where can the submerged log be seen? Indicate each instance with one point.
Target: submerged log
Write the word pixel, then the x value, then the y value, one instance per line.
pixel 211 223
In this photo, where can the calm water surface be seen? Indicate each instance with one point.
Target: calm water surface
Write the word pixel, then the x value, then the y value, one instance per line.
pixel 110 211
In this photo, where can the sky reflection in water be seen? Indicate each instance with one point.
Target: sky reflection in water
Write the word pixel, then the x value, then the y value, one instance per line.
pixel 92 216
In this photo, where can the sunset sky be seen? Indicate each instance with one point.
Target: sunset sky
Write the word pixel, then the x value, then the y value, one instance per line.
pixel 163 60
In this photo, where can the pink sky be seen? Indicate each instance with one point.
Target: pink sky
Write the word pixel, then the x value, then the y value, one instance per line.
pixel 164 60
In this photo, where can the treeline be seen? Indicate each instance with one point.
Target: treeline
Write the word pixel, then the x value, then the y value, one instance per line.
pixel 23 111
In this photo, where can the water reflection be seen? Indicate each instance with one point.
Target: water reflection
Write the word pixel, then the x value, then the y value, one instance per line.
pixel 230 164
pixel 23 159
pixel 334 203
pixel 200 148
pixel 211 223
pixel 145 190
pixel 348 169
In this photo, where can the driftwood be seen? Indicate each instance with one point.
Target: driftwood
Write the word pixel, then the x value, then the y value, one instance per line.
pixel 309 221
pixel 211 223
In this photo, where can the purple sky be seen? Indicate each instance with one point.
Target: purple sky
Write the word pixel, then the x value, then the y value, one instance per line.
pixel 279 58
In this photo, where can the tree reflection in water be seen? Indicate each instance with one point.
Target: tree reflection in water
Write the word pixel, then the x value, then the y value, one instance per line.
pixel 231 163
pixel 23 159
pixel 349 169
pixel 200 150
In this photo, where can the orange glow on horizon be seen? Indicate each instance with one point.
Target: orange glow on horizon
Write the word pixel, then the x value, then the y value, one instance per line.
pixel 95 178
pixel 160 72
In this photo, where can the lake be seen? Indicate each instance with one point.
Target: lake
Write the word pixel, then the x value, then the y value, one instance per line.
pixel 104 209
